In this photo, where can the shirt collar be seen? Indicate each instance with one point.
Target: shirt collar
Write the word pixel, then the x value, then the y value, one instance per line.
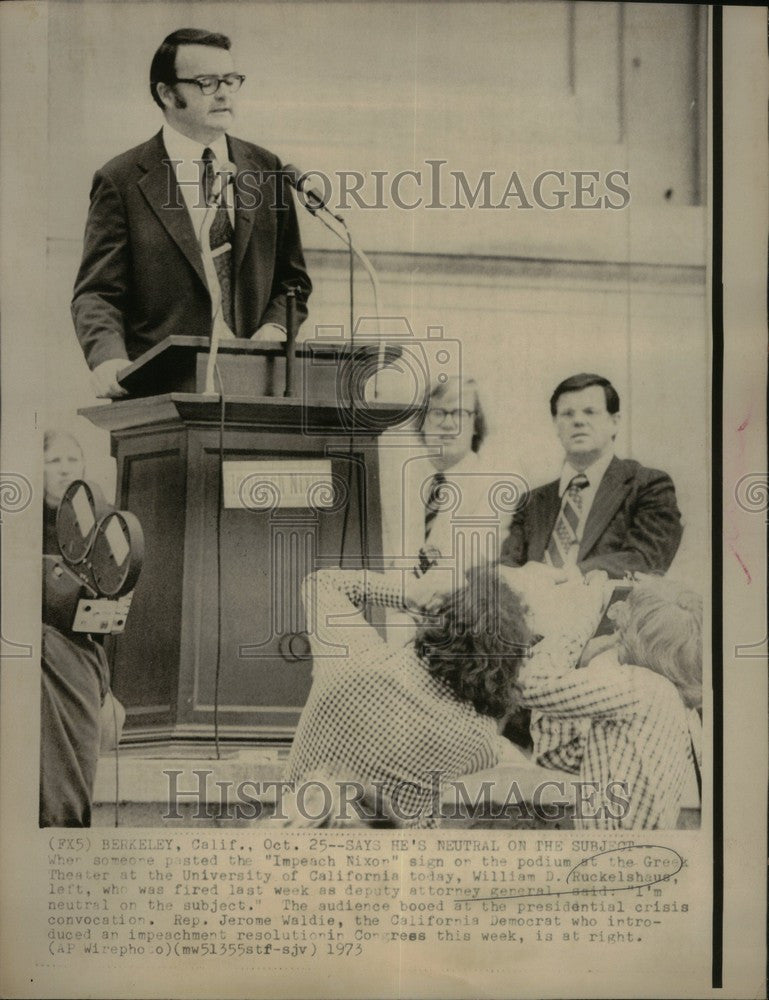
pixel 465 464
pixel 594 472
pixel 181 147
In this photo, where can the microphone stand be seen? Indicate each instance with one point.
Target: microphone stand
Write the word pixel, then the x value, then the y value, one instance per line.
pixel 290 341
pixel 314 209
pixel 370 271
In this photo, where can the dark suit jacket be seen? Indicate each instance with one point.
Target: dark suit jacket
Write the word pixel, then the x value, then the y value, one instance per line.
pixel 633 525
pixel 141 278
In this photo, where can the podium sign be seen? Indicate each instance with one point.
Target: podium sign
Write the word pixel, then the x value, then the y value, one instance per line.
pixel 268 483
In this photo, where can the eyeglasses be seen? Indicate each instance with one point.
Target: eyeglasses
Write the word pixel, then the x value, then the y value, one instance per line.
pixel 438 415
pixel 211 84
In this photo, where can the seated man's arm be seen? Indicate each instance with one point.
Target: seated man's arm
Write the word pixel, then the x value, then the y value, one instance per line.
pixel 598 691
pixel 574 612
pixel 101 288
pixel 564 706
pixel 654 536
pixel 549 680
pixel 558 743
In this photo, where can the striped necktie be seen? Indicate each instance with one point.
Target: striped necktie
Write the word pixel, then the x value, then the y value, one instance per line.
pixel 433 504
pixel 221 238
pixel 563 546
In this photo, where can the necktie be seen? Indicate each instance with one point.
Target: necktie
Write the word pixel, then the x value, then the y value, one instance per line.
pixel 433 502
pixel 221 237
pixel 563 546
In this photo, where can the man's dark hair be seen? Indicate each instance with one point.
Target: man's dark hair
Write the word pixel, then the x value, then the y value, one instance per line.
pixel 583 381
pixel 163 68
pixel 478 643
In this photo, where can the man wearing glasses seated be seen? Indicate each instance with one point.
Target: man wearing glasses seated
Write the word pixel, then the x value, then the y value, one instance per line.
pixel 447 509
pixel 192 231
pixel 456 516
pixel 437 502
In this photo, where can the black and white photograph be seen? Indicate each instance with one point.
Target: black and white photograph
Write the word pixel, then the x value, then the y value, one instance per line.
pixel 398 439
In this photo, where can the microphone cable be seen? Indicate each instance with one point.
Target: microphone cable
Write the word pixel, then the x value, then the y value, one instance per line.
pixel 349 474
pixel 350 463
pixel 117 755
pixel 219 508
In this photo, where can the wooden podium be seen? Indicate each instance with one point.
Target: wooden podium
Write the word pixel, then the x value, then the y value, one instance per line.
pixel 300 490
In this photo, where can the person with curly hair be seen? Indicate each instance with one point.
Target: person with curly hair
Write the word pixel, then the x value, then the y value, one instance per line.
pixel 630 718
pixel 407 718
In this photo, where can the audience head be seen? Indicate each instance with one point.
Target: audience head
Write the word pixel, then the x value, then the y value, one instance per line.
pixel 659 626
pixel 453 420
pixel 63 464
pixel 585 410
pixel 477 641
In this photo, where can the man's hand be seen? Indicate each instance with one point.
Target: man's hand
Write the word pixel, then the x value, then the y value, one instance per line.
pixel 104 378
pixel 601 578
pixel 428 593
pixel 270 331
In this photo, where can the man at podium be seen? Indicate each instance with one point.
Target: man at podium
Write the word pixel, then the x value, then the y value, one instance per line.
pixel 191 232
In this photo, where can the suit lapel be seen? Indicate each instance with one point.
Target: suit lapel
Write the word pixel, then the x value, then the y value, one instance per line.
pixel 256 212
pixel 544 519
pixel 607 501
pixel 244 216
pixel 159 187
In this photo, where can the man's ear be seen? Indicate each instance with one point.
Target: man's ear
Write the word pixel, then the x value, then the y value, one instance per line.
pixel 615 419
pixel 166 94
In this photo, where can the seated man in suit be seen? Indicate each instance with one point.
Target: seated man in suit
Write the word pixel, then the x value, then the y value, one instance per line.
pixel 441 515
pixel 444 509
pixel 190 232
pixel 448 486
pixel 604 512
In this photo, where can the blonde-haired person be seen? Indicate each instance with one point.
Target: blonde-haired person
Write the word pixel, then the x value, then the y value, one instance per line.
pixel 63 463
pixel 659 626
pixel 79 715
pixel 449 486
pixel 446 505
pixel 635 732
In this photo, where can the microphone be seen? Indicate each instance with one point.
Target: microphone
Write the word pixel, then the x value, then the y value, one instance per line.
pixel 313 200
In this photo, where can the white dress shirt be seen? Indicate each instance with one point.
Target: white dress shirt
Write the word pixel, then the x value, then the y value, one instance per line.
pixel 469 532
pixel 187 155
